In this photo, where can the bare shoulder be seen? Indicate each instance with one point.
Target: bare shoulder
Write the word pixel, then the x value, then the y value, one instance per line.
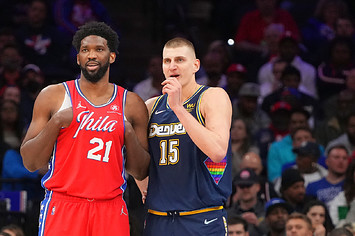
pixel 215 94
pixel 135 107
pixel 215 99
pixel 51 97
pixel 150 102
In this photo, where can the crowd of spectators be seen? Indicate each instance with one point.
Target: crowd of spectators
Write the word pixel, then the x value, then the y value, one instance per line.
pixel 291 81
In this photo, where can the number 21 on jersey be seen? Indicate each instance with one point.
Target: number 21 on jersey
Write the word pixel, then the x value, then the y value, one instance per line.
pixel 99 145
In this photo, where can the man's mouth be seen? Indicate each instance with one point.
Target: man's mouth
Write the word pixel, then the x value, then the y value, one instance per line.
pixel 92 65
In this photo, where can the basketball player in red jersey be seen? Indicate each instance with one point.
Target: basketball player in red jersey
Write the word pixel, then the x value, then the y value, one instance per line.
pixel 89 132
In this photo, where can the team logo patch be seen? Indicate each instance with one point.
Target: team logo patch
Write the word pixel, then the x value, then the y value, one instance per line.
pixel 216 169
pixel 114 107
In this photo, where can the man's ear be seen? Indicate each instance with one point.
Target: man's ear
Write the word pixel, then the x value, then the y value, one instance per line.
pixel 112 57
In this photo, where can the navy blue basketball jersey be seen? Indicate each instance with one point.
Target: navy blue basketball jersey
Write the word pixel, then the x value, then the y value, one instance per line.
pixel 181 176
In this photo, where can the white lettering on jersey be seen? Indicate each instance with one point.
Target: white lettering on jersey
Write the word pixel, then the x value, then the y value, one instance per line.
pixel 166 130
pixel 88 123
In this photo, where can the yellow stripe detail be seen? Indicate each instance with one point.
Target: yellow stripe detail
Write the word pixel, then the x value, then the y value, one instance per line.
pixel 186 213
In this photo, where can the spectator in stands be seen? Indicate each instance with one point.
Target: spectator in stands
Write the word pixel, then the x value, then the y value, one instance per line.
pixel 269 77
pixel 33 82
pixel 248 109
pixel 344 27
pixel 348 137
pixel 151 86
pixel 12 93
pixel 307 161
pixel 43 44
pixel 292 189
pixel 219 49
pixel 280 152
pixel 337 109
pixel 241 143
pixel 236 77
pixel 289 92
pixel 308 154
pixel 298 224
pixel 276 214
pixel 341 232
pixel 331 185
pixel 331 71
pixel 70 14
pixel 237 226
pixel 320 28
pixel 342 206
pixel 7 36
pixel 11 65
pixel 289 52
pixel 214 69
pixel 251 29
pixel 253 161
pixel 318 213
pixel 246 201
pixel 11 125
pixel 14 169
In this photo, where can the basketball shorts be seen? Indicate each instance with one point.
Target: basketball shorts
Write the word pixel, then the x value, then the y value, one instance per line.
pixel 207 223
pixel 61 214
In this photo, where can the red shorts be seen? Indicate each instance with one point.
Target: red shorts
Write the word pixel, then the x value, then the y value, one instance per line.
pixel 65 215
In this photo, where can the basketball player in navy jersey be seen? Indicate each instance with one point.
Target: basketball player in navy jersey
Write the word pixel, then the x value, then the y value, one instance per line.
pixel 81 129
pixel 189 133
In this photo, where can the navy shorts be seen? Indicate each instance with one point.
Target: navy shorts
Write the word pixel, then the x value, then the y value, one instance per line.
pixel 212 223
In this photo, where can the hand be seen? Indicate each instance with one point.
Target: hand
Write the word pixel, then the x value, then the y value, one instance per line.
pixel 64 117
pixel 319 230
pixel 251 218
pixel 172 87
pixel 144 195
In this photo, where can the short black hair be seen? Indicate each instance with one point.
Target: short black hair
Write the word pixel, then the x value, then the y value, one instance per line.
pixel 96 28
pixel 290 70
pixel 340 232
pixel 234 219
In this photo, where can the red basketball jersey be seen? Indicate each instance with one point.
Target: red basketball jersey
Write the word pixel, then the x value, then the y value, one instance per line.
pixel 88 155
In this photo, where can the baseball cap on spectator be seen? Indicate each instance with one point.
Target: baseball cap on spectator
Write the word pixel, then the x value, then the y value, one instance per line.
pixel 281 105
pixel 289 177
pixel 32 67
pixel 307 148
pixel 249 89
pixel 277 202
pixel 246 177
pixel 236 68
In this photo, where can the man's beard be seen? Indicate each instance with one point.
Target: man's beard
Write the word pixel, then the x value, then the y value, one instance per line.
pixel 96 76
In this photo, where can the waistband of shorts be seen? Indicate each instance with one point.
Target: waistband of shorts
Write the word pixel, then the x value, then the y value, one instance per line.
pixel 64 196
pixel 184 213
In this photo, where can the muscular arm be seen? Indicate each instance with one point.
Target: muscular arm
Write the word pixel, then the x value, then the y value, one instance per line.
pixel 136 140
pixel 216 108
pixel 46 123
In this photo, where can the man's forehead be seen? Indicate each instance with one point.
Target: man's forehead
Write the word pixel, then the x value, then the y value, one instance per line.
pixel 93 39
pixel 180 51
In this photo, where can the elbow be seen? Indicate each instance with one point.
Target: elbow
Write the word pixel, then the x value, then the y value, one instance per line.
pixel 218 156
pixel 140 175
pixel 29 165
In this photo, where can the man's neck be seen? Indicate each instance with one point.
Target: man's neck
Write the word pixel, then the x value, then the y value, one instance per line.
pixel 248 204
pixel 275 233
pixel 334 178
pixel 188 90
